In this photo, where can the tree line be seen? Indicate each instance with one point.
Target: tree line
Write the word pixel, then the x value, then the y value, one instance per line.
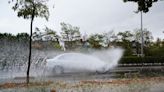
pixel 73 38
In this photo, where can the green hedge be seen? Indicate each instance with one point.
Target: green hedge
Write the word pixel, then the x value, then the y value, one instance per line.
pixel 138 60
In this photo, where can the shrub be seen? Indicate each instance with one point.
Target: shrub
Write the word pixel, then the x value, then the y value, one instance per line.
pixel 138 60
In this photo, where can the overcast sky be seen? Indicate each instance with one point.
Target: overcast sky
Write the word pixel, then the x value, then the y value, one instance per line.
pixel 92 16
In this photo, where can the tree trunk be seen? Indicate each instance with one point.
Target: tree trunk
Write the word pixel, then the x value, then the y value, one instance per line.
pixel 30 42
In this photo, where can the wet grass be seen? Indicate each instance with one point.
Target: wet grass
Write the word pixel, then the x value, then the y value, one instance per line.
pixel 134 83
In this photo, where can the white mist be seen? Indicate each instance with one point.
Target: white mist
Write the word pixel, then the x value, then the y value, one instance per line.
pixel 97 61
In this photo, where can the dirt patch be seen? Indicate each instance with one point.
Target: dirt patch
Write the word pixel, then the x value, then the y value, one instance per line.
pixel 139 84
pixel 31 84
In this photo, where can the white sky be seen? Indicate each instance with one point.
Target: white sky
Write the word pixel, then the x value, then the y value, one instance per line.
pixel 92 16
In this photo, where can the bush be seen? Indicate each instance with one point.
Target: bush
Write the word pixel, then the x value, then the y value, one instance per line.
pixel 57 46
pixel 138 60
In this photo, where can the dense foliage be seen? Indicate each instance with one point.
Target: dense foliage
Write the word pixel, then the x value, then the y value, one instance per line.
pixel 143 5
pixel 142 60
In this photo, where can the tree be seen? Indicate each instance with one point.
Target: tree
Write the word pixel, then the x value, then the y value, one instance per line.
pixel 37 35
pixel 70 33
pixel 49 31
pixel 147 36
pixel 29 9
pixel 7 36
pixel 109 37
pixel 143 5
pixel 22 37
pixel 96 41
pixel 50 34
pixel 158 42
pixel 125 36
pixel 47 35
